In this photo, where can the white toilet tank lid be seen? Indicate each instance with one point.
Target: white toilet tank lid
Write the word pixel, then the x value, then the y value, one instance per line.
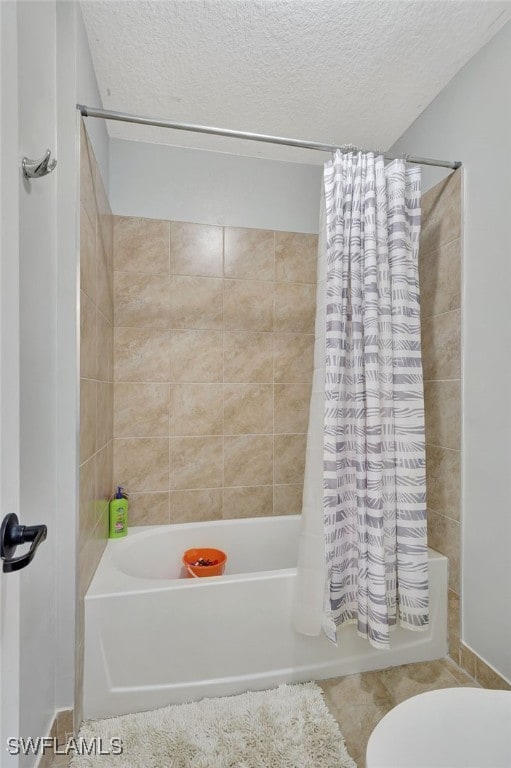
pixel 448 728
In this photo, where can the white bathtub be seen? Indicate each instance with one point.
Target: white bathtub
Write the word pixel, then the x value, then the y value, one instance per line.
pixel 153 638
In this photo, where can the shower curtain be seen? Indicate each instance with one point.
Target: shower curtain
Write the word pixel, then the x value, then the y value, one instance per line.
pixel 363 543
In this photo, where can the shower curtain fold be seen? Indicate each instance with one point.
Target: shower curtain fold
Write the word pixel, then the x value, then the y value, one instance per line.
pixel 363 548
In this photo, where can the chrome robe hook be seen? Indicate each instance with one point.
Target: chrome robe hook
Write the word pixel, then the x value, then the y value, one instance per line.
pixel 34 169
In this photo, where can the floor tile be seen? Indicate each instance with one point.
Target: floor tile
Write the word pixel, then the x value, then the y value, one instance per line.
pixel 358 702
pixel 412 679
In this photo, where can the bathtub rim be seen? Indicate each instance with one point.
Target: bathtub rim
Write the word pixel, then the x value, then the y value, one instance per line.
pixel 110 581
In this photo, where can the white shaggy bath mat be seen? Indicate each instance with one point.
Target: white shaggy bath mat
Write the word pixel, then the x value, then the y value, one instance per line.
pixel 289 727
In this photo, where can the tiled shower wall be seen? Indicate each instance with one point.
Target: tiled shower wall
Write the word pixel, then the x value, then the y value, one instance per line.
pixel 213 368
pixel 440 267
pixel 440 282
pixel 96 382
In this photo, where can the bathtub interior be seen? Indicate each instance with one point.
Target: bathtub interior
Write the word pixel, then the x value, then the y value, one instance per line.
pixel 150 552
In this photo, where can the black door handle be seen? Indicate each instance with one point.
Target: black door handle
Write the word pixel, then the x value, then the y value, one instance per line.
pixel 12 534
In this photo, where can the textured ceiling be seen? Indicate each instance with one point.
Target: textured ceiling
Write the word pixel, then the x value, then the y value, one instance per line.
pixel 334 71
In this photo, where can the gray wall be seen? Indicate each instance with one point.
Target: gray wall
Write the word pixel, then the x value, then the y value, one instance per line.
pixel 471 121
pixel 163 182
pixel 38 402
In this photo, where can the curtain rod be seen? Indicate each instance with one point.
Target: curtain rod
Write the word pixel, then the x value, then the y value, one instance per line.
pixel 126 118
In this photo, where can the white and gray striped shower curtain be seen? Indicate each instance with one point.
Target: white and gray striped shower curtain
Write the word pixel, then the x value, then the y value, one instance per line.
pixel 363 549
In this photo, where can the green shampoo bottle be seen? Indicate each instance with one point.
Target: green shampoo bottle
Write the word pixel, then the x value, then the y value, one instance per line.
pixel 119 515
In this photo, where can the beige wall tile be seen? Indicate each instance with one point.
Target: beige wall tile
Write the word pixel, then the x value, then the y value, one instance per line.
pixel 248 357
pixel 148 509
pixel 196 462
pixel 141 300
pixel 102 204
pixel 104 282
pixel 488 678
pixel 87 499
pixel 196 409
pixel 196 249
pixel 248 460
pixel 104 485
pixel 444 536
pixel 88 363
pixel 221 360
pixel 78 709
pixel 453 616
pixel 105 413
pixel 295 308
pixel 104 238
pixel 468 660
pixel 291 409
pixel 440 279
pixel 87 255
pixel 443 480
pixel 88 416
pixel 293 357
pixel 104 348
pixel 141 245
pixel 247 502
pixel 87 161
pixel 459 674
pixel 141 409
pixel 287 499
pixel 441 213
pixel 195 303
pixel 441 346
pixel 196 356
pixel 249 253
pixel 248 305
pixel 64 725
pixel 442 413
pixel 100 533
pixel 289 459
pixel 296 257
pixel 141 354
pixel 248 409
pixel 142 464
pixel 195 506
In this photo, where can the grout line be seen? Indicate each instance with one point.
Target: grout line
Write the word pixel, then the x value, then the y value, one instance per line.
pixel 197 436
pixel 214 488
pixel 461 670
pixel 439 246
pixel 437 381
pixel 441 314
pixel 212 277
pixel 218 330
pixel 443 447
pixel 184 382
pixel 442 514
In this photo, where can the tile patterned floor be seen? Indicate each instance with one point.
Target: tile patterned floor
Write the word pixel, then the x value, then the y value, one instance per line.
pixel 358 702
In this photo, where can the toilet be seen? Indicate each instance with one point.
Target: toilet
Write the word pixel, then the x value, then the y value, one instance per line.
pixel 448 728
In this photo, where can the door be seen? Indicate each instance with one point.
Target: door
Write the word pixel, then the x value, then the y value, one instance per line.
pixel 9 374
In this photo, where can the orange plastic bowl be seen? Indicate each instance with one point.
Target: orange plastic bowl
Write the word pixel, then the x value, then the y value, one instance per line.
pixel 192 555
